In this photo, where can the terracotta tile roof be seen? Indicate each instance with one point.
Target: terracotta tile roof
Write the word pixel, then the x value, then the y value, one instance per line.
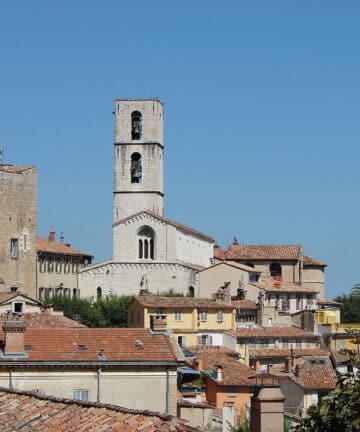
pixel 278 352
pixel 268 283
pixel 44 320
pixel 44 245
pixel 330 302
pixel 14 169
pixel 244 304
pixel 233 372
pixel 85 344
pixel 316 373
pixel 263 252
pixel 219 253
pixel 274 332
pixel 150 300
pixel 177 225
pixel 309 261
pixel 26 411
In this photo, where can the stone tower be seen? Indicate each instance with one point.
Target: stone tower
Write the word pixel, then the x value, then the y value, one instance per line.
pixel 138 157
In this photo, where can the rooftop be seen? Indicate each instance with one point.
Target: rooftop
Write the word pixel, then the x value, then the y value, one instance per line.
pixel 268 283
pixel 233 372
pixel 45 319
pixel 44 245
pixel 316 373
pixel 86 344
pixel 26 411
pixel 151 300
pixel 274 332
pixel 14 169
pixel 278 352
pixel 263 252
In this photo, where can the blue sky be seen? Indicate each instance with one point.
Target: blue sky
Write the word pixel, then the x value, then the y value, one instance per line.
pixel 261 125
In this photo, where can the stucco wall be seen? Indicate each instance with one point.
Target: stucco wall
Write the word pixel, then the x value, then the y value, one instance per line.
pixel 133 389
pixel 18 217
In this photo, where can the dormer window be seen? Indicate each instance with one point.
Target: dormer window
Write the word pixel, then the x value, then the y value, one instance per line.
pixel 275 269
pixel 136 125
pixel 17 307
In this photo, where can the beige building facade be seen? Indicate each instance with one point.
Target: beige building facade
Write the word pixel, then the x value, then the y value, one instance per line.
pixel 18 218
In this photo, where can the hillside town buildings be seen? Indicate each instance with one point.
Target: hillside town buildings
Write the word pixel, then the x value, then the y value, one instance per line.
pixel 248 313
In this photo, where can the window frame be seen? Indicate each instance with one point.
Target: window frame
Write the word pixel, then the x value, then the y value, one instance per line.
pixel 178 315
pixel 203 315
pixel 14 248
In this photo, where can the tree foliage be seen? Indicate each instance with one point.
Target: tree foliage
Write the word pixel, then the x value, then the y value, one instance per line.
pixel 108 312
pixel 350 307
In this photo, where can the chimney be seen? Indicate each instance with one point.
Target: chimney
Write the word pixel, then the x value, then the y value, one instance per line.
pixel 288 364
pixel 269 368
pixel 293 358
pixel 257 365
pixel 297 370
pixel 51 237
pixel 14 329
pixel 62 239
pixel 198 364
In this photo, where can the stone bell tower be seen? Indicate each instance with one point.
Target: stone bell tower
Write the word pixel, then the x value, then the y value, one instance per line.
pixel 138 157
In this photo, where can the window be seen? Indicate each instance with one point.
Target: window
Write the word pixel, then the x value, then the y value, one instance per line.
pixel 98 293
pixel 219 316
pixel 181 341
pixel 136 125
pixel 50 265
pixel 75 265
pixel 205 339
pixel 80 395
pixel 67 265
pixel 136 168
pixel 13 289
pixel 231 392
pixel 298 343
pixel 203 315
pixel 42 265
pixel 18 307
pixel 14 248
pixel 58 265
pixel 298 302
pixel 285 344
pixel 146 243
pixel 253 277
pixel 191 292
pixel 275 269
pixel 264 343
pixel 177 314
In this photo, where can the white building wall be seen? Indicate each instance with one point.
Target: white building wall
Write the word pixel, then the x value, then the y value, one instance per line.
pixel 116 278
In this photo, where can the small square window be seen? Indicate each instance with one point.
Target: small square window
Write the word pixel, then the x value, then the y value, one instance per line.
pixel 203 315
pixel 80 394
pixel 177 315
pixel 18 307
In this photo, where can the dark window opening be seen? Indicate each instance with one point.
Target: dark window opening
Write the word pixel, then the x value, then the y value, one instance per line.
pixel 98 293
pixel 136 125
pixel 14 248
pixel 191 292
pixel 18 307
pixel 275 269
pixel 146 240
pixel 136 168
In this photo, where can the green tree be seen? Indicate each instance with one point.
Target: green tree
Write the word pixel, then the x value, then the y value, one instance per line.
pixel 108 312
pixel 350 307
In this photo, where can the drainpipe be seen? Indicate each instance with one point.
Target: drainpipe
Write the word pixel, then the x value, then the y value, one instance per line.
pixel 98 396
pixel 167 391
pixel 10 379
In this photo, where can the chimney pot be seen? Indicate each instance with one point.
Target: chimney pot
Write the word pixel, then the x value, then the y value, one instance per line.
pixel 14 329
pixel 51 237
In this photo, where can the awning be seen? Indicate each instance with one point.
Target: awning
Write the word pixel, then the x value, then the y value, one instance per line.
pixel 187 370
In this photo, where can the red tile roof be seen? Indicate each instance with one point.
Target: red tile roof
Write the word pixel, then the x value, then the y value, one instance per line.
pixel 329 302
pixel 9 295
pixel 150 300
pixel 44 319
pixel 316 373
pixel 219 253
pixel 263 252
pixel 268 283
pixel 14 169
pixel 309 261
pixel 85 344
pixel 233 372
pixel 177 225
pixel 274 332
pixel 278 352
pixel 26 411
pixel 44 245
pixel 244 304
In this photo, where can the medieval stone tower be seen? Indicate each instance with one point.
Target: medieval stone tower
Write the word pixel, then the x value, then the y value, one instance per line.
pixel 138 157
